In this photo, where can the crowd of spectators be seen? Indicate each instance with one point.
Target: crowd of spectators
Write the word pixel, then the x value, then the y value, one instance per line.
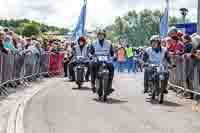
pixel 179 43
pixel 25 56
pixel 184 50
pixel 11 43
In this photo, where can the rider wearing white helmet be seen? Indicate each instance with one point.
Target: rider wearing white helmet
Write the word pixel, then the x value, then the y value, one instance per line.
pixel 155 54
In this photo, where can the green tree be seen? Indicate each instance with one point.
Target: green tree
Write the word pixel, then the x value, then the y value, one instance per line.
pixel 18 25
pixel 137 28
pixel 31 29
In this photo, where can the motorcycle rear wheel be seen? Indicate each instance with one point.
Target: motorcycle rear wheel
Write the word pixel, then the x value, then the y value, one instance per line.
pixel 163 85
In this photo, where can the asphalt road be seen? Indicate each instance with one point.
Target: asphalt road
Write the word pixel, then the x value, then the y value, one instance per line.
pixel 60 108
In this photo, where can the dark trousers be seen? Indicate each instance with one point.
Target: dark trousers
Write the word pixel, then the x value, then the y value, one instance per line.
pixel 72 73
pixel 65 65
pixel 95 68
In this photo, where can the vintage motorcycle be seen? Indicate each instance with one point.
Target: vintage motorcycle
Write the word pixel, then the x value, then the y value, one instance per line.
pixel 157 81
pixel 102 80
pixel 80 71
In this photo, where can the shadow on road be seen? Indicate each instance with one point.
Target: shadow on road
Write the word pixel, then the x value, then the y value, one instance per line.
pixel 82 89
pixel 110 101
pixel 166 103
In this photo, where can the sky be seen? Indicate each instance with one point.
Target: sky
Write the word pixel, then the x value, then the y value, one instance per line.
pixel 64 13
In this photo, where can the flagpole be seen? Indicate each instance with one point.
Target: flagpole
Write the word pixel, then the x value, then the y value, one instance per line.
pixel 80 27
pixel 198 17
pixel 164 21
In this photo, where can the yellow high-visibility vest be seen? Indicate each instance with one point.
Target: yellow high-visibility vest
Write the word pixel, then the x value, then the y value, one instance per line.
pixel 129 52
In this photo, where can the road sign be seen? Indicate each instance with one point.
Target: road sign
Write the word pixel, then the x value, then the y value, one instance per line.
pixel 188 28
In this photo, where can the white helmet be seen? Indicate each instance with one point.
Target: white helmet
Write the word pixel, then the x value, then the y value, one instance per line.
pixel 101 31
pixel 155 38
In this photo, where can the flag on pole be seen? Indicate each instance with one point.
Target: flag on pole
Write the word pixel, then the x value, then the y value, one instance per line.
pixel 164 21
pixel 80 27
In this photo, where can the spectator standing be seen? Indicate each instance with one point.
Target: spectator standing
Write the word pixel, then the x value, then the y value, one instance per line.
pixel 130 55
pixel 50 45
pixel 8 64
pixel 19 59
pixel 121 57
pixel 2 37
pixel 8 44
pixel 176 48
pixel 66 60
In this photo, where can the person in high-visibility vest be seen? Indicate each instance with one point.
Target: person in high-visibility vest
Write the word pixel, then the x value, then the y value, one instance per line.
pixel 130 55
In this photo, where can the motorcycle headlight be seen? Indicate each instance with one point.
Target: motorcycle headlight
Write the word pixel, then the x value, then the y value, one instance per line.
pixel 162 77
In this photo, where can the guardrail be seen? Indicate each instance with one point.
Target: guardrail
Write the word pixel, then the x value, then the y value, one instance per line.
pixel 22 68
pixel 186 76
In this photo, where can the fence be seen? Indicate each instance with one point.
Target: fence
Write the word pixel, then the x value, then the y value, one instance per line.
pixel 17 68
pixel 186 75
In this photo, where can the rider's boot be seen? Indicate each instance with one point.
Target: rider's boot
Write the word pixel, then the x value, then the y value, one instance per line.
pixel 110 89
pixel 87 78
pixel 145 86
pixel 165 91
pixel 93 88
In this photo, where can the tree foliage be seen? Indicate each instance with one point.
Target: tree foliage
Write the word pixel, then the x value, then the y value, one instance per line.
pixel 137 28
pixel 30 29
pixel 17 25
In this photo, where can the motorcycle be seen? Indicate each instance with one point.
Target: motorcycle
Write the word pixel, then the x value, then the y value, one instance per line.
pixel 138 63
pixel 80 71
pixel 158 81
pixel 102 80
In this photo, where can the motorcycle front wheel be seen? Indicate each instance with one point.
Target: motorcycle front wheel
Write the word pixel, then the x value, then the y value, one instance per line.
pixel 163 85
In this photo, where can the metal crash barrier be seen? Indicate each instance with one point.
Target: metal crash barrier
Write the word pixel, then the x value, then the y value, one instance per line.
pixel 186 76
pixel 55 63
pixel 23 68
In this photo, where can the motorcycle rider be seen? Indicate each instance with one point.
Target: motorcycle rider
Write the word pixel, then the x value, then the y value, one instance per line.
pixel 101 47
pixel 81 49
pixel 155 54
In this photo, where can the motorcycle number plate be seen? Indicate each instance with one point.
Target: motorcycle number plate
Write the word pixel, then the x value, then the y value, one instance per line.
pixel 79 57
pixel 103 58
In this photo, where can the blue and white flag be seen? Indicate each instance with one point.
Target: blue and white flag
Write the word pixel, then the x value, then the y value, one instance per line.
pixel 164 21
pixel 80 27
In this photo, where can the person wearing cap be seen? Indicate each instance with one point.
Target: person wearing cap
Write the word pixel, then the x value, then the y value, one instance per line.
pixel 80 50
pixel 155 54
pixel 174 44
pixel 8 44
pixel 99 48
pixel 176 49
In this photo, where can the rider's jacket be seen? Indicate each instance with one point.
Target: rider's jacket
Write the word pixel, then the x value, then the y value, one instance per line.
pixel 105 49
pixel 78 51
pixel 156 58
